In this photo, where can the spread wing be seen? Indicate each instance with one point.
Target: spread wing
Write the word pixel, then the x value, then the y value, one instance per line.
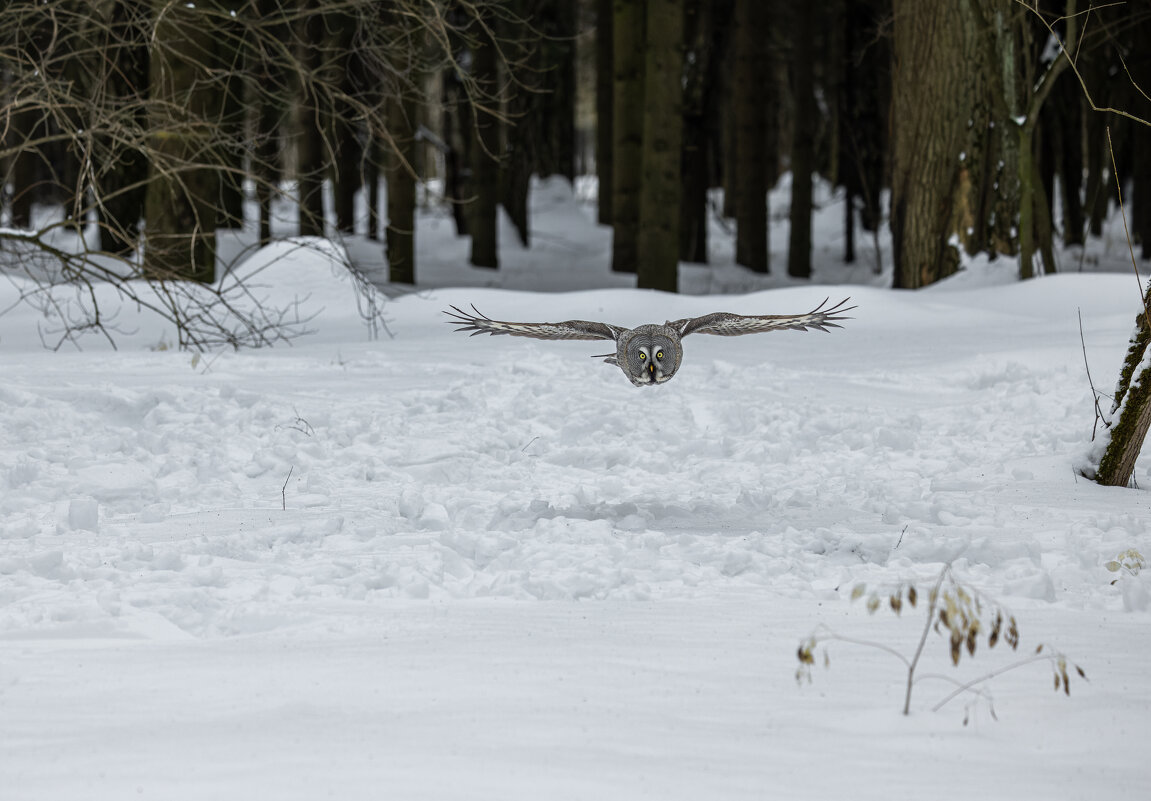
pixel 478 323
pixel 725 324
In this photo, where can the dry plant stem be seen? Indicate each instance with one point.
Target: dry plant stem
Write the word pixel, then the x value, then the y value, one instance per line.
pixel 970 686
pixel 1095 394
pixel 934 600
pixel 1126 231
pixel 284 490
pixel 1033 7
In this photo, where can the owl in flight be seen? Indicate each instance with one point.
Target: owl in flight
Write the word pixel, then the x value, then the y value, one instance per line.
pixel 651 354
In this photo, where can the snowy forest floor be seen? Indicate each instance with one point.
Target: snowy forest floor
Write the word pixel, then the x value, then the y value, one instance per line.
pixel 433 567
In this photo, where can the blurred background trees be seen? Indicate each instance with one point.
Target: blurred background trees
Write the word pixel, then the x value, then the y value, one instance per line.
pixel 967 126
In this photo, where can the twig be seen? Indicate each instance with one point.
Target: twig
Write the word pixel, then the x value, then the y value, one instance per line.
pixel 1127 233
pixel 284 490
pixel 1094 392
pixel 934 600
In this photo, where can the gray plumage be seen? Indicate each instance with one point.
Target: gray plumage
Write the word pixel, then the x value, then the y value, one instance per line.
pixel 651 354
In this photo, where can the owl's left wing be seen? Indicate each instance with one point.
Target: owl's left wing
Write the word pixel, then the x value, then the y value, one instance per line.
pixel 725 324
pixel 479 323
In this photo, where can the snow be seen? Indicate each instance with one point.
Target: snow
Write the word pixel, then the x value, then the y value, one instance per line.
pixel 439 567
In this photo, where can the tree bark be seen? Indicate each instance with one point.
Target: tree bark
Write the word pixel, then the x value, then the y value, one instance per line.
pixel 347 153
pixel 933 97
pixel 1131 410
pixel 120 175
pixel 401 178
pixel 803 140
pixel 603 109
pixel 750 106
pixel 182 190
pixel 267 76
pixel 311 123
pixel 627 131
pixel 658 265
pixel 483 210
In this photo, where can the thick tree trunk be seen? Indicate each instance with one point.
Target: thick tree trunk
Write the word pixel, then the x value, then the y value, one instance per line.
pixel 750 106
pixel 658 266
pixel 627 131
pixel 933 97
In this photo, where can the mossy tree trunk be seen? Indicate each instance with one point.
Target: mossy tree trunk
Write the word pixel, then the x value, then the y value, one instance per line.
pixel 658 262
pixel 1131 412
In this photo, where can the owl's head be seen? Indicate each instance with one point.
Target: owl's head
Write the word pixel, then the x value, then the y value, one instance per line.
pixel 652 355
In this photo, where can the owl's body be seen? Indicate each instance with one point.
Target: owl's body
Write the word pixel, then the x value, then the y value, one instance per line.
pixel 651 354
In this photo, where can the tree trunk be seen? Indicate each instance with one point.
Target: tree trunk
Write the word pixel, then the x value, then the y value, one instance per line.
pixel 803 140
pixel 182 191
pixel 750 106
pixel 121 171
pixel 933 97
pixel 658 266
pixel 311 123
pixel 483 210
pixel 1131 411
pixel 603 109
pixel 348 154
pixel 401 177
pixel 459 134
pixel 627 131
pixel 553 111
pixel 701 108
pixel 267 76
pixel 231 122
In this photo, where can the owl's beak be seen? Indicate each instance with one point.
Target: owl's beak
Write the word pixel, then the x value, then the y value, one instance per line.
pixel 651 370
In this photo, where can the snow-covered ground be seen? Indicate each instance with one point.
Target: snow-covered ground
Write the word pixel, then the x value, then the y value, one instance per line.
pixel 435 567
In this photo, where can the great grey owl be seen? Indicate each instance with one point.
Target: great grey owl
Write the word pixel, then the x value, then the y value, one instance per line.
pixel 651 354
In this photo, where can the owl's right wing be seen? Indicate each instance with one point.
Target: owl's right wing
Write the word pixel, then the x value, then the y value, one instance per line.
pixel 726 324
pixel 479 323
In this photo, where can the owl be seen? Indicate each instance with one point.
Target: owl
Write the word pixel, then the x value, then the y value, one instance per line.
pixel 651 354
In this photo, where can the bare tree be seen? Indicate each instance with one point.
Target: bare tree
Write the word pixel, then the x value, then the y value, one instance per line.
pixel 118 111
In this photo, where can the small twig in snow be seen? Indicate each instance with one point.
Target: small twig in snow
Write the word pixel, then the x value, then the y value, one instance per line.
pixel 284 490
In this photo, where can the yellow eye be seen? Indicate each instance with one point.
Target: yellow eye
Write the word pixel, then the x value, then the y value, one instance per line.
pixel 659 355
pixel 642 357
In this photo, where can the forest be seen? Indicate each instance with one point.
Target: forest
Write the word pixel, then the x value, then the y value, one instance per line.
pixel 991 127
pixel 272 525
